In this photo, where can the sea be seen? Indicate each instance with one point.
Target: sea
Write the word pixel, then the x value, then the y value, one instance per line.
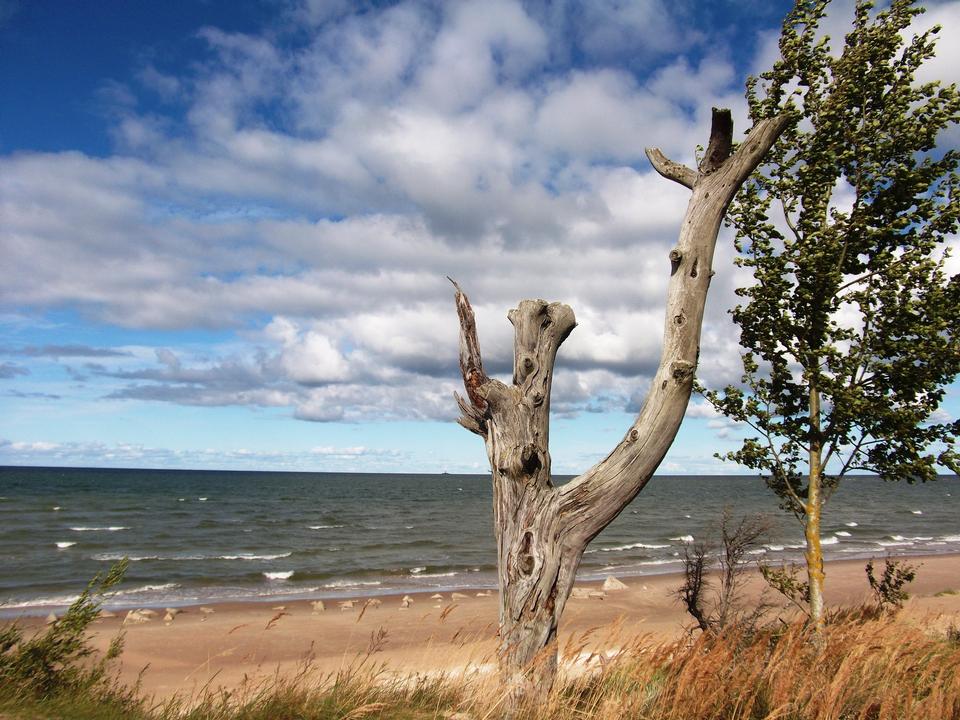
pixel 202 536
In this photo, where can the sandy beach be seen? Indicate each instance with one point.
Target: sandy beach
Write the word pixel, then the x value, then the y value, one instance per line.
pixel 238 641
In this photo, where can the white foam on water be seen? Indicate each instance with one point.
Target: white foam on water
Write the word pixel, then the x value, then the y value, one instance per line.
pixel 893 543
pixel 284 575
pixel 63 545
pixel 138 558
pixel 41 601
pixel 758 551
pixel 436 575
pixel 354 583
pixel 684 538
pixel 657 562
pixel 774 548
pixel 276 592
pixel 111 528
pixel 851 524
pixel 324 527
pixel 842 533
pixel 417 570
pixel 917 512
pixel 55 508
pixel 833 540
pixel 202 499
pixel 632 546
pixel 113 557
pixel 951 538
pixel 146 589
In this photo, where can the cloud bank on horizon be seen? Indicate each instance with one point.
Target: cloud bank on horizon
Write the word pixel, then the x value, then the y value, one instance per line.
pixel 217 225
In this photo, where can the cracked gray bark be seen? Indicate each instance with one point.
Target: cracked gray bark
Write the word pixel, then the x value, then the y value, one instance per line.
pixel 541 530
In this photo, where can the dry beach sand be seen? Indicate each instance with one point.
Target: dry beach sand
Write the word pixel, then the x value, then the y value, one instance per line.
pixel 236 641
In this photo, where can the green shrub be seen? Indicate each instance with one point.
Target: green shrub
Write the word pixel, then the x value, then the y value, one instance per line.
pixel 57 661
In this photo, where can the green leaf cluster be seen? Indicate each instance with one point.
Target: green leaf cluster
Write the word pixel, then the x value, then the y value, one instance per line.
pixel 888 589
pixel 844 230
pixel 53 661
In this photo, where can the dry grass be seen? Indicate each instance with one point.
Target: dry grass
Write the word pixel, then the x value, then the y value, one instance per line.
pixel 871 668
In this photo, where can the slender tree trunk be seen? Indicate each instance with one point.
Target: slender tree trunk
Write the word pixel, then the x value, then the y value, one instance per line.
pixel 542 531
pixel 814 505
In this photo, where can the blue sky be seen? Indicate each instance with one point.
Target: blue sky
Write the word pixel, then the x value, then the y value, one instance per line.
pixel 225 226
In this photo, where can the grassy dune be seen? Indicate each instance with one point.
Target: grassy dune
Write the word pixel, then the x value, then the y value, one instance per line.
pixel 873 667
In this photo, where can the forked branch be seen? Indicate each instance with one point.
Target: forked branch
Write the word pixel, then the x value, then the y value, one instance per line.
pixel 471 367
pixel 591 501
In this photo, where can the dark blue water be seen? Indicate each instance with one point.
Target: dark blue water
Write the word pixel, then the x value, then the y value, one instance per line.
pixel 203 536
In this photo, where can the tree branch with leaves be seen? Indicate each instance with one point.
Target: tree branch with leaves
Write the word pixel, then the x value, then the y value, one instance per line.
pixel 850 327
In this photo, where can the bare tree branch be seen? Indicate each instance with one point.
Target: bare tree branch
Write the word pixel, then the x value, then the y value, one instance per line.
pixel 592 500
pixel 721 141
pixel 671 170
pixel 471 365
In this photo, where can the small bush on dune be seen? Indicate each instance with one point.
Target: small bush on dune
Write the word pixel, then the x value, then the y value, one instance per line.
pixel 57 662
pixel 888 589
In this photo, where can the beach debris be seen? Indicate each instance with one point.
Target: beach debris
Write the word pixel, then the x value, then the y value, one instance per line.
pixel 135 616
pixel 51 619
pixel 405 603
pixel 147 612
pixel 106 614
pixel 168 618
pixel 280 607
pixel 207 610
pixel 172 611
pixel 437 607
pixel 407 599
pixel 580 593
pixel 596 594
pixel 318 606
pixel 436 596
pixel 458 596
pixel 346 605
pixel 611 583
pixel 485 593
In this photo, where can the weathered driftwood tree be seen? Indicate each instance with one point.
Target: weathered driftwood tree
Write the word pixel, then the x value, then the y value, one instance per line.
pixel 542 530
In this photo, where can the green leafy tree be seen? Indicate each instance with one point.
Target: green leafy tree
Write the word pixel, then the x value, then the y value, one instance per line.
pixel 850 328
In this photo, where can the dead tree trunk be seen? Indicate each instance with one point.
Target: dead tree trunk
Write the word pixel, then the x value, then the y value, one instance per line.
pixel 542 531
